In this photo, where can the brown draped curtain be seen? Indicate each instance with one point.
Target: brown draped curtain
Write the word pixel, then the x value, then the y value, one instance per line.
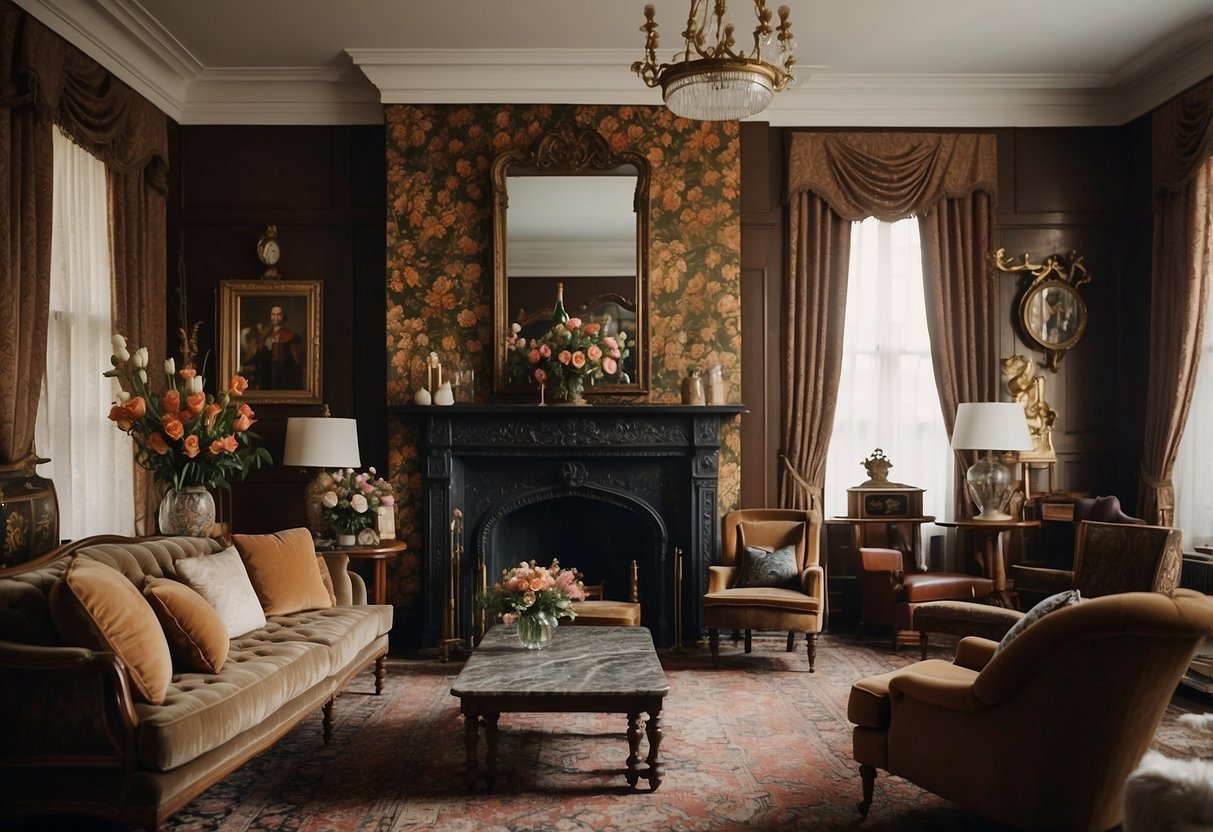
pixel 45 81
pixel 834 179
pixel 1179 286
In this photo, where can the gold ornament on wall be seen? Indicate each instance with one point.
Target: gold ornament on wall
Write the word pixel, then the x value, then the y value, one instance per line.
pixel 269 251
pixel 1052 315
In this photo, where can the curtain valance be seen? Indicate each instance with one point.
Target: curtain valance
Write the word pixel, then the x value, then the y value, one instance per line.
pixel 891 175
pixel 1183 136
pixel 100 113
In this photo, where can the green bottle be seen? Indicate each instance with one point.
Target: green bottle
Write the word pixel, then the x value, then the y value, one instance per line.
pixel 559 316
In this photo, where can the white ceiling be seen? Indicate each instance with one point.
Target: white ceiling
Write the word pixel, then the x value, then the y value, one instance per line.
pixel 933 63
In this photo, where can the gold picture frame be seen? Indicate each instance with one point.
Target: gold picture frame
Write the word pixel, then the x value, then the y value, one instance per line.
pixel 270 333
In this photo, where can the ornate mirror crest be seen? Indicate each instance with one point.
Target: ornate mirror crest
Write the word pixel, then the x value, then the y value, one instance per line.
pixel 1052 315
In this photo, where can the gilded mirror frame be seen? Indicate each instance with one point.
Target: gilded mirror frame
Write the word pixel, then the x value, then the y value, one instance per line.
pixel 1052 316
pixel 570 150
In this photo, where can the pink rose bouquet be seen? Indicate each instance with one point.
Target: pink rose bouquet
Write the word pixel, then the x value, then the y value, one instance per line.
pixel 566 357
pixel 527 589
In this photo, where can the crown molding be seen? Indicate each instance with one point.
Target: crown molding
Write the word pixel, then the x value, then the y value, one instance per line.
pixel 121 36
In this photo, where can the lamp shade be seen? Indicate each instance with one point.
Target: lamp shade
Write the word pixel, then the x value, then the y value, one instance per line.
pixel 321 442
pixel 991 426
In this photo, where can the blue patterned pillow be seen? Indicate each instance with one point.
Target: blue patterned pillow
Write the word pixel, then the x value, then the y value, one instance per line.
pixel 1054 602
pixel 764 567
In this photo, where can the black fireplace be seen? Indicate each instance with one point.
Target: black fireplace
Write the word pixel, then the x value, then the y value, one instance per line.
pixel 597 487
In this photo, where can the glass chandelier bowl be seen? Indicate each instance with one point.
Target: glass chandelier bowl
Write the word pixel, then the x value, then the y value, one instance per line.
pixel 708 79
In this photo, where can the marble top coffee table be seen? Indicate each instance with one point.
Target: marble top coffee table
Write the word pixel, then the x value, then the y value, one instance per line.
pixel 585 670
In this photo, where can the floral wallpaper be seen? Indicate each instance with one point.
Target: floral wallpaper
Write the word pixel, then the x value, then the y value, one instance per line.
pixel 440 260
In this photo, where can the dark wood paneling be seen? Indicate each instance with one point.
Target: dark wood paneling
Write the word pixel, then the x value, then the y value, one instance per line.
pixel 1083 189
pixel 324 187
pixel 762 312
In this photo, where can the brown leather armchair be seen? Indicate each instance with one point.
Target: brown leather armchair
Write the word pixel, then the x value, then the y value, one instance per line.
pixel 892 586
pixel 798 608
pixel 1043 734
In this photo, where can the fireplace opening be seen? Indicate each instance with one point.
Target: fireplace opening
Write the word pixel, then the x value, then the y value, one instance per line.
pixel 597 532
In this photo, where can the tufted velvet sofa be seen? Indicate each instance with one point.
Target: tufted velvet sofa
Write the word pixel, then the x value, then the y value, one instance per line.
pixel 77 742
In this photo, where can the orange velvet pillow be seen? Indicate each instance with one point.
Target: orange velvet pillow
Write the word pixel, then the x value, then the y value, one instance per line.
pixel 195 632
pixel 327 579
pixel 94 605
pixel 283 570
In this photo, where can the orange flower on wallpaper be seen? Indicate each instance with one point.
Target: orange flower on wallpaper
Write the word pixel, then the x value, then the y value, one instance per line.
pixel 440 254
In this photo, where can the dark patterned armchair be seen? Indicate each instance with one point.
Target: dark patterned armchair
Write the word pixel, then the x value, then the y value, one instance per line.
pixel 1109 558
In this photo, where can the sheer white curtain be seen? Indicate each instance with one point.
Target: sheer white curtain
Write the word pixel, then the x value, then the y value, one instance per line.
pixel 1193 474
pixel 91 460
pixel 887 396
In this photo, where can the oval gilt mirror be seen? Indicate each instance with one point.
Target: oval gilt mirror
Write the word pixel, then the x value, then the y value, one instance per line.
pixel 572 213
pixel 1052 315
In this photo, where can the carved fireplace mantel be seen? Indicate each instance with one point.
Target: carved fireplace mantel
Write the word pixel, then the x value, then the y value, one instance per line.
pixel 596 486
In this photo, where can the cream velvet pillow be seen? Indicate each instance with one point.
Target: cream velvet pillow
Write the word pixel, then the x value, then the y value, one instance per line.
pixel 195 632
pixel 284 571
pixel 96 606
pixel 221 580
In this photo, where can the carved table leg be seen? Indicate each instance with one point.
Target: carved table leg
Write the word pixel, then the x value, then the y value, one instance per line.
pixel 653 729
pixel 471 739
pixel 380 674
pixel 490 761
pixel 633 774
pixel 327 720
pixel 868 773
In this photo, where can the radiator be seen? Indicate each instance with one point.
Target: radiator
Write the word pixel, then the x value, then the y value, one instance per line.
pixel 1197 573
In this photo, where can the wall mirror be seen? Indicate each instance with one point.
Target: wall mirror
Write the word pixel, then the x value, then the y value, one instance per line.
pixel 571 212
pixel 1052 314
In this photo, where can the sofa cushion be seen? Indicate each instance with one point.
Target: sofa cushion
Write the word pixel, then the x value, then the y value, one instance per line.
pixel 222 581
pixel 265 669
pixel 95 606
pixel 195 632
pixel 203 711
pixel 327 579
pixel 283 570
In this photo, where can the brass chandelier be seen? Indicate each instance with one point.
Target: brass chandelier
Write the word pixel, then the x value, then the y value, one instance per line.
pixel 714 82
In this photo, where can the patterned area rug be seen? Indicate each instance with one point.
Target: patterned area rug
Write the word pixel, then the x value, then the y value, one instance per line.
pixel 758 744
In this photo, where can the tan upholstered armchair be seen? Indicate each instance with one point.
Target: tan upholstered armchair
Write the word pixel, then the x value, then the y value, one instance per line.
pixel 796 606
pixel 1043 734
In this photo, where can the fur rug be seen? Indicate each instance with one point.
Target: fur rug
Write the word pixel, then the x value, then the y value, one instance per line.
pixel 1165 794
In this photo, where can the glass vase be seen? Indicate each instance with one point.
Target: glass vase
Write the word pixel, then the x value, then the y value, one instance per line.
pixel 189 512
pixel 535 630
pixel 572 392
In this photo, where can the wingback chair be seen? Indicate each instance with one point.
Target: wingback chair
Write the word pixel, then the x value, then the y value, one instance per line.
pixel 1038 580
pixel 1043 733
pixel 1108 558
pixel 796 604
pixel 890 593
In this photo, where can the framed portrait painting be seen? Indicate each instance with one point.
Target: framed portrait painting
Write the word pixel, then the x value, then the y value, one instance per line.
pixel 269 332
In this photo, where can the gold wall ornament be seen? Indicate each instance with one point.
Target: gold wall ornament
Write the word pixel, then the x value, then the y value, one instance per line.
pixel 269 251
pixel 1052 315
pixel 713 81
pixel 1028 389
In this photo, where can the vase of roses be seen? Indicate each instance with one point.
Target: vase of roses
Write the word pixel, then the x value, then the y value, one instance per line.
pixel 565 359
pixel 352 500
pixel 534 599
pixel 188 439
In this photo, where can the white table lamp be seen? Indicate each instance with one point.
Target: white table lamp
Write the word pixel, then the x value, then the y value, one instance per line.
pixel 321 442
pixel 989 427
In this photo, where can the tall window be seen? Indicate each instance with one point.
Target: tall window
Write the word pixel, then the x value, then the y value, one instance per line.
pixel 91 460
pixel 886 395
pixel 1193 482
